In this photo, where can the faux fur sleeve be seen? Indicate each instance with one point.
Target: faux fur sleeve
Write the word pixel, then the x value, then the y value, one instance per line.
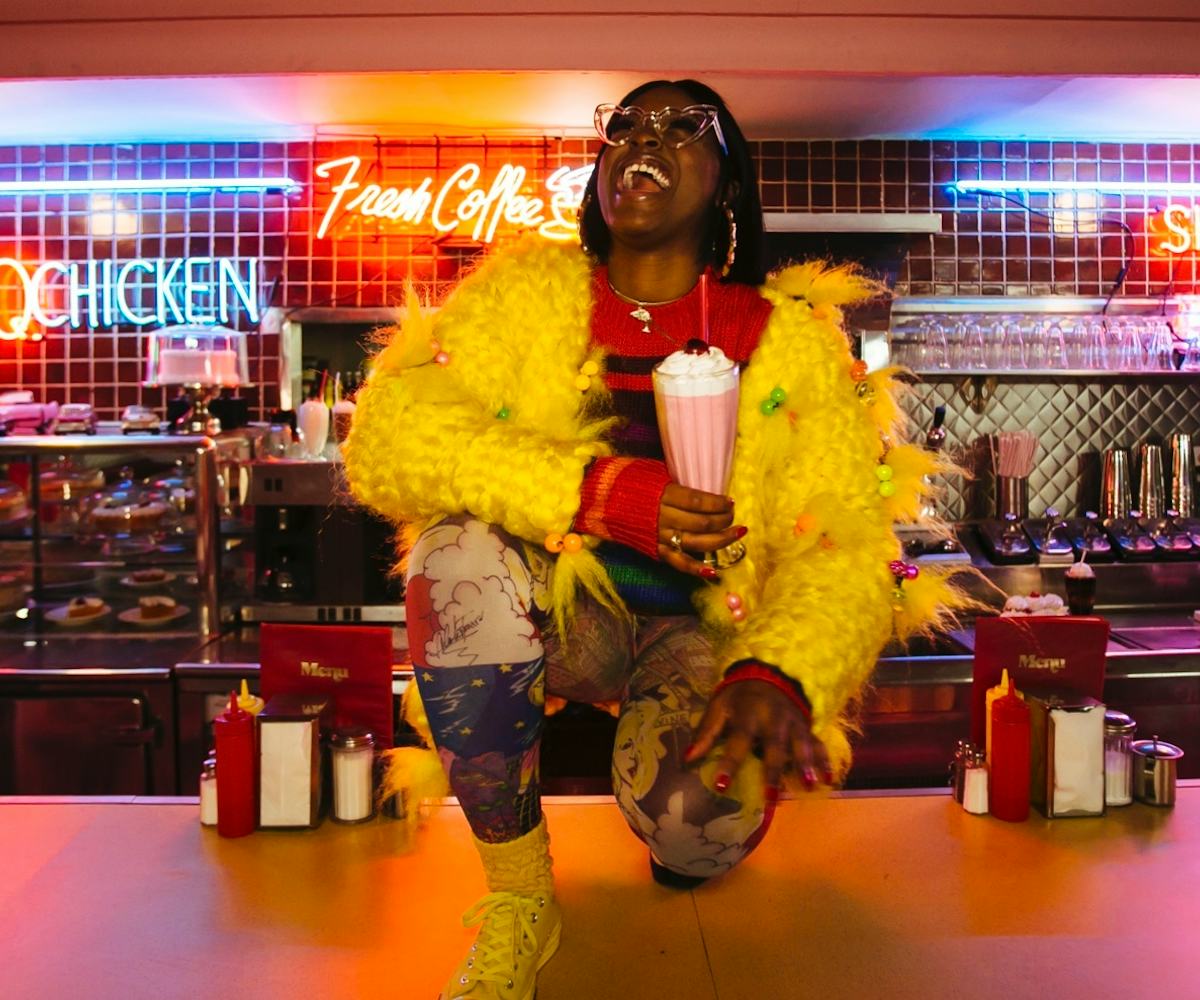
pixel 479 409
pixel 817 596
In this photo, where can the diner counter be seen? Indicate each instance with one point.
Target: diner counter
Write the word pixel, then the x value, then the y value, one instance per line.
pixel 849 896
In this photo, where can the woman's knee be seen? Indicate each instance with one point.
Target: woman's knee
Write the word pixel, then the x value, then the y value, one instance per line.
pixel 693 830
pixel 673 806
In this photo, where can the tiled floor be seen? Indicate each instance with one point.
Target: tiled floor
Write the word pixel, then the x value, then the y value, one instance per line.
pixel 855 896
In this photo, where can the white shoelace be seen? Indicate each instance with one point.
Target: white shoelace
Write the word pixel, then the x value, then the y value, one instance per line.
pixel 506 935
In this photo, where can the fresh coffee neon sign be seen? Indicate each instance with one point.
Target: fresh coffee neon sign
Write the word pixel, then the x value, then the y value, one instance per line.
pixel 140 292
pixel 465 202
pixel 1175 230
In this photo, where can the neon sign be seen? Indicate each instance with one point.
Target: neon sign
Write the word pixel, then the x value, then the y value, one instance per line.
pixel 167 185
pixel 1175 230
pixel 462 203
pixel 1067 187
pixel 202 290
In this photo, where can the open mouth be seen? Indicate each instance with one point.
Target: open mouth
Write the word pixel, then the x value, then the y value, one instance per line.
pixel 643 175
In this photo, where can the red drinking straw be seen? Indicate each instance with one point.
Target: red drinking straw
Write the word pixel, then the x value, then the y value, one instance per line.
pixel 704 304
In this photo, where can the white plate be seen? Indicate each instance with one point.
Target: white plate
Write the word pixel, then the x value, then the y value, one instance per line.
pixel 129 581
pixel 59 616
pixel 133 616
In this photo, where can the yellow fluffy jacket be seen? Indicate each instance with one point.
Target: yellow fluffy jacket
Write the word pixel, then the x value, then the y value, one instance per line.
pixel 483 410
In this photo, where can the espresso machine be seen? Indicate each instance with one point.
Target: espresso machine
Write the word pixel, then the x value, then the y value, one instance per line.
pixel 318 556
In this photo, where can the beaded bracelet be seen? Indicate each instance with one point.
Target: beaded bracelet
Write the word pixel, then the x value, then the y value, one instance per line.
pixel 753 670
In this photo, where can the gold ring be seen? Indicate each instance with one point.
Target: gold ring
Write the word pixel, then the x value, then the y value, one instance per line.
pixel 676 541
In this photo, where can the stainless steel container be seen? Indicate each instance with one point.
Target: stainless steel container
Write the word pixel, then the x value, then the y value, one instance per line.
pixel 1154 771
pixel 1183 473
pixel 1115 495
pixel 1151 496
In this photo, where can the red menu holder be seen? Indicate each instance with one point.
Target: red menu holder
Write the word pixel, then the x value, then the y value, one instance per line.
pixel 1063 654
pixel 350 665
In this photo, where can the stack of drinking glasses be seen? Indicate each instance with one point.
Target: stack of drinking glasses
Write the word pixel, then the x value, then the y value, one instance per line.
pixel 1040 342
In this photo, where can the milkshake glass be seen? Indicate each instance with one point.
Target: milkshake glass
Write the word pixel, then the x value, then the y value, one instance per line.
pixel 696 399
pixel 1081 588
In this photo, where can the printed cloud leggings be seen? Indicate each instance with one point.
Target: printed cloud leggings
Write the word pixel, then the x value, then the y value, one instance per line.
pixel 476 628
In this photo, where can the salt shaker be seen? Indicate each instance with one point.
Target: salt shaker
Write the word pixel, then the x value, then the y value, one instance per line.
pixel 208 792
pixel 963 752
pixel 975 785
pixel 1118 758
pixel 353 768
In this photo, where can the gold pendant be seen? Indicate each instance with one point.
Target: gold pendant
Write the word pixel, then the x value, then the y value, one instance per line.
pixel 642 315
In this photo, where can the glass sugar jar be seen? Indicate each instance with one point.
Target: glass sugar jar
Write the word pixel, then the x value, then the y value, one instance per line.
pixel 353 752
pixel 1118 758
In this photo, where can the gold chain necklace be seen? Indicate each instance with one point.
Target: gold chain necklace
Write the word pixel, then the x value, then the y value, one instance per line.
pixel 641 312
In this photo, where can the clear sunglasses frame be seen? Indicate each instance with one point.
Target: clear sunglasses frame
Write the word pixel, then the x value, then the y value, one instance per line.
pixel 700 118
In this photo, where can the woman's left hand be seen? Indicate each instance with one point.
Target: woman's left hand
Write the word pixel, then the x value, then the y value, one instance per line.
pixel 753 713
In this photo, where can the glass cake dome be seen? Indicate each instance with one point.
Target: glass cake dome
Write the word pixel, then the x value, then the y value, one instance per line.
pixel 206 356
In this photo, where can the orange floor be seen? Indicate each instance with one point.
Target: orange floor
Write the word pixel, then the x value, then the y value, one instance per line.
pixel 850 896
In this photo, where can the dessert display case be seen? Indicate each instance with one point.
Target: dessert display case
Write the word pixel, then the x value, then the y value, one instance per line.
pixel 108 578
pixel 109 531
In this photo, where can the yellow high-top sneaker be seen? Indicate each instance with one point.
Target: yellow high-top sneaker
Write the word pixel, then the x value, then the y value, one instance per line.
pixel 519 922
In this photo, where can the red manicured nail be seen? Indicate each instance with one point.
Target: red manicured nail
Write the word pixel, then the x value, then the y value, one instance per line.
pixel 687 754
pixel 741 531
pixel 772 795
pixel 810 778
pixel 709 573
pixel 722 783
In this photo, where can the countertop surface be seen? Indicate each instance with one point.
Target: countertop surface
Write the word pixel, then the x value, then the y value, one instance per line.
pixel 123 653
pixel 849 896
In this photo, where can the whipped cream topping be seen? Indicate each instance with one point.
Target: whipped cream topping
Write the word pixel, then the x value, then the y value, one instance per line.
pixel 1040 604
pixel 705 373
pixel 712 362
pixel 1081 571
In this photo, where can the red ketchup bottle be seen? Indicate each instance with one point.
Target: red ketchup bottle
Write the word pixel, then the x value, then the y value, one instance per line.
pixel 1008 788
pixel 234 729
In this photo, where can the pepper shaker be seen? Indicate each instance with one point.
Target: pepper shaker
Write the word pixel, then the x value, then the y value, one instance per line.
pixel 963 751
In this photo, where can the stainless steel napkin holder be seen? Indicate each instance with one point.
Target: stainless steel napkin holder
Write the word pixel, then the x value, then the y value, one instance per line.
pixel 1067 754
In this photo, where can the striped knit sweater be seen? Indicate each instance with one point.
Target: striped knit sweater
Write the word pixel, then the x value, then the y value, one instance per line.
pixel 620 496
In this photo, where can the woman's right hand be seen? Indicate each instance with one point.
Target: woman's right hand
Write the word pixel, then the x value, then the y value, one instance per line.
pixel 691 521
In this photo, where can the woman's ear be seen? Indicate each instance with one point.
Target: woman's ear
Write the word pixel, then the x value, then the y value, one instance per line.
pixel 729 194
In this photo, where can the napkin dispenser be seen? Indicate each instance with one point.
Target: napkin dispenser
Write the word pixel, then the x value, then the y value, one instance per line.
pixel 291 767
pixel 1067 754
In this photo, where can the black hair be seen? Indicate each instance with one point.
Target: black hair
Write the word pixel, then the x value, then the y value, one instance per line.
pixel 737 167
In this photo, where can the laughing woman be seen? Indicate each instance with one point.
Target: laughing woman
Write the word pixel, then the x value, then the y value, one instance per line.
pixel 549 551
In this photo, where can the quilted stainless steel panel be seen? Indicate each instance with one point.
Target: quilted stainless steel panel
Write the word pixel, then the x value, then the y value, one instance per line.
pixel 1074 418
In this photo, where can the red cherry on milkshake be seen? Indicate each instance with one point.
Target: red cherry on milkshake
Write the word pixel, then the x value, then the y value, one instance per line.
pixel 695 346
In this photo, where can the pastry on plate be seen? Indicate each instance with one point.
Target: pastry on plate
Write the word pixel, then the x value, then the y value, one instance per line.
pixel 84 607
pixel 145 577
pixel 118 518
pixel 151 608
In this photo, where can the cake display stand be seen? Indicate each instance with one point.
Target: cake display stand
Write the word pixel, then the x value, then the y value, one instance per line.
pixel 198 419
